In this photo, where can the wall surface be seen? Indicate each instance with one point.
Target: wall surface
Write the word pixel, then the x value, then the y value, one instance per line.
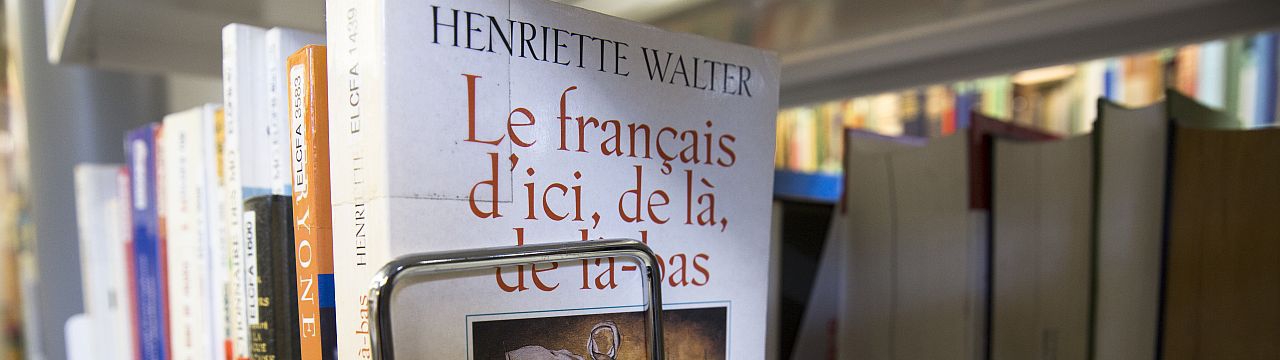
pixel 72 115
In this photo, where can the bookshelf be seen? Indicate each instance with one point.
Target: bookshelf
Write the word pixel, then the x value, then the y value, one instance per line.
pixel 964 39
pixel 945 40
pixel 162 36
pixel 1002 38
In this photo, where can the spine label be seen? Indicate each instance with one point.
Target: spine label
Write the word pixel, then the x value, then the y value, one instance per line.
pixel 250 262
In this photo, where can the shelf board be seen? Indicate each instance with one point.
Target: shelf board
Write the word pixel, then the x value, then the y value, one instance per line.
pixel 161 36
pixel 1010 37
pixel 183 36
pixel 821 188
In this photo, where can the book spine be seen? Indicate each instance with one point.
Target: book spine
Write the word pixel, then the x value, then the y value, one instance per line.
pixel 1210 74
pixel 148 278
pixel 100 225
pixel 313 224
pixel 128 324
pixel 223 241
pixel 268 229
pixel 1266 79
pixel 162 228
pixel 277 120
pixel 280 43
pixel 1235 63
pixel 214 251
pixel 180 146
pixel 242 48
pixel 360 224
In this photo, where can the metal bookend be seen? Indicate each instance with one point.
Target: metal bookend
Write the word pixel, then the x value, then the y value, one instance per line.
pixel 416 265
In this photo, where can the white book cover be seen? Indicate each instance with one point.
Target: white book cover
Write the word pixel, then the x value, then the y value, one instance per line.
pixel 280 43
pixel 191 212
pixel 1042 196
pixel 468 124
pixel 246 171
pixel 1132 146
pixel 915 274
pixel 1212 72
pixel 102 221
pixel 865 286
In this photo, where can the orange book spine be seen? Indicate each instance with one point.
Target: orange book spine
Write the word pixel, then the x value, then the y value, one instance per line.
pixel 313 221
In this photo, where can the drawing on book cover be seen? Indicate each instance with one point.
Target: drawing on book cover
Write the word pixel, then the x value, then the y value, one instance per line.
pixel 607 336
pixel 606 329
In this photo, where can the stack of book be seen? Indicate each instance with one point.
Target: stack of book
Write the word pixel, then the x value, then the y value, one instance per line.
pixel 251 229
pixel 1148 238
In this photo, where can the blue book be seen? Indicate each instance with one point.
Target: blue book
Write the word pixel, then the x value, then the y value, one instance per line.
pixel 965 104
pixel 1265 106
pixel 148 247
pixel 1112 81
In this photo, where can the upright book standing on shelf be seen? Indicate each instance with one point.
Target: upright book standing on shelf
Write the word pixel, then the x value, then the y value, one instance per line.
pixel 313 220
pixel 1042 195
pixel 1222 277
pixel 278 44
pixel 487 123
pixel 1129 185
pixel 919 246
pixel 148 248
pixel 102 220
pixel 254 158
pixel 191 205
pixel 268 230
pixel 242 51
pixel 911 238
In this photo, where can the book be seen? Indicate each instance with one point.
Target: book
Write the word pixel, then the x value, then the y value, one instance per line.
pixel 101 198
pixel 1236 64
pixel 1211 75
pixel 147 248
pixel 866 298
pixel 1041 252
pixel 1251 60
pixel 918 261
pixel 279 43
pixel 1186 69
pixel 982 131
pixel 268 231
pixel 191 208
pixel 818 336
pixel 890 267
pixel 1265 48
pixel 910 234
pixel 1221 279
pixel 1129 168
pixel 313 220
pixel 162 231
pixel 912 112
pixel 1142 78
pixel 1092 78
pixel 444 147
pixel 248 129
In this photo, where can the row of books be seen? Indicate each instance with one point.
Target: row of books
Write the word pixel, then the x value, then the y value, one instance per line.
pixel 189 249
pixel 252 229
pixel 1150 237
pixel 1236 75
